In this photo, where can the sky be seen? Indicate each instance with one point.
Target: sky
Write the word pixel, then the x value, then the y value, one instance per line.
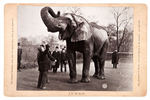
pixel 31 26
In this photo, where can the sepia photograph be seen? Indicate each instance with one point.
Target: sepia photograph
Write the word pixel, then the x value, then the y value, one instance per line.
pixel 74 48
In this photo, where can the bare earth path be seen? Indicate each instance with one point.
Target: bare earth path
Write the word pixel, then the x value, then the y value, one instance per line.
pixel 119 79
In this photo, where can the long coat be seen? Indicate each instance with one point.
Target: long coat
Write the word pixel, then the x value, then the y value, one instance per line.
pixel 52 59
pixel 43 60
pixel 19 54
pixel 115 58
pixel 56 55
pixel 63 57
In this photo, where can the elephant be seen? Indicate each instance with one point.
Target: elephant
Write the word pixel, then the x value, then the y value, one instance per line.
pixel 80 36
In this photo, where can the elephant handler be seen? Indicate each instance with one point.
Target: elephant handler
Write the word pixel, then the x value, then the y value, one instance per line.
pixel 43 62
pixel 56 55
pixel 115 58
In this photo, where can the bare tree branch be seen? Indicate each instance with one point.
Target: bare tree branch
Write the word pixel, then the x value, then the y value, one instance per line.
pixel 120 21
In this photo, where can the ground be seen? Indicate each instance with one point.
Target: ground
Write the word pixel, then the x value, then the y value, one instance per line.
pixel 119 79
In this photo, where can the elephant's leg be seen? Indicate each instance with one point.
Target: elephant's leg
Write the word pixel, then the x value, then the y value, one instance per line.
pixel 96 64
pixel 101 71
pixel 86 66
pixel 102 57
pixel 72 67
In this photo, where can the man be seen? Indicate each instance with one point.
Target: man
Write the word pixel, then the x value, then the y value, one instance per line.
pixel 115 59
pixel 19 57
pixel 56 55
pixel 44 60
pixel 63 59
pixel 52 59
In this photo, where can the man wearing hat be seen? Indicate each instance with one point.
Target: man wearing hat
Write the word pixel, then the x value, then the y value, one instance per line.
pixel 115 59
pixel 44 60
pixel 63 59
pixel 19 57
pixel 56 55
pixel 52 59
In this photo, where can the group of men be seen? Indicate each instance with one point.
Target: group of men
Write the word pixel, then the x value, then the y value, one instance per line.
pixel 61 58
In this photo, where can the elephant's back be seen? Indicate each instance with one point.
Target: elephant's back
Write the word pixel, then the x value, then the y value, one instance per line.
pixel 100 36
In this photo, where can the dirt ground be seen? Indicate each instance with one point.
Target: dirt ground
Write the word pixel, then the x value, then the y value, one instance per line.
pixel 119 79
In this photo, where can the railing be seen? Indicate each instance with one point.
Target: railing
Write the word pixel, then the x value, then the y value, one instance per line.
pixel 121 55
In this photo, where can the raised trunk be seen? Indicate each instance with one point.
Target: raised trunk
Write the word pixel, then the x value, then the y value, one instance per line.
pixel 50 19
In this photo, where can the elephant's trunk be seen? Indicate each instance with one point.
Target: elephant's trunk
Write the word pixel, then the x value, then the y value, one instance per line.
pixel 50 19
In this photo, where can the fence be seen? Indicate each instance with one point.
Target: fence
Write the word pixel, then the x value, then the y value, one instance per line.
pixel 29 56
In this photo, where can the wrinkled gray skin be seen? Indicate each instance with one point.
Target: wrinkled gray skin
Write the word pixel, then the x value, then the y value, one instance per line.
pixel 94 48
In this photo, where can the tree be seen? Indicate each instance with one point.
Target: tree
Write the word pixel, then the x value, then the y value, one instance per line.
pixel 122 20
pixel 52 40
pixel 111 30
pixel 74 10
pixel 23 41
pixel 127 42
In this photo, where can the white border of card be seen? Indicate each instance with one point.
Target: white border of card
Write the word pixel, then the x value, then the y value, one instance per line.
pixel 139 54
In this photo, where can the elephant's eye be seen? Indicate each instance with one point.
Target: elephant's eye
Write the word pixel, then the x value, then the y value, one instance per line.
pixel 59 25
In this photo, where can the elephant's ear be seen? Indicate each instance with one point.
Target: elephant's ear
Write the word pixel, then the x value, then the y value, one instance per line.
pixel 82 32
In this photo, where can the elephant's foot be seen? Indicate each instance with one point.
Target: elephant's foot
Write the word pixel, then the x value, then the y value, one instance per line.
pixel 73 81
pixel 95 75
pixel 101 77
pixel 85 80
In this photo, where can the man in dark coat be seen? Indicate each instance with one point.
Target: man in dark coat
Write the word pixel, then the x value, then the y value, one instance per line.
pixel 43 62
pixel 115 58
pixel 19 57
pixel 63 59
pixel 50 57
pixel 56 55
